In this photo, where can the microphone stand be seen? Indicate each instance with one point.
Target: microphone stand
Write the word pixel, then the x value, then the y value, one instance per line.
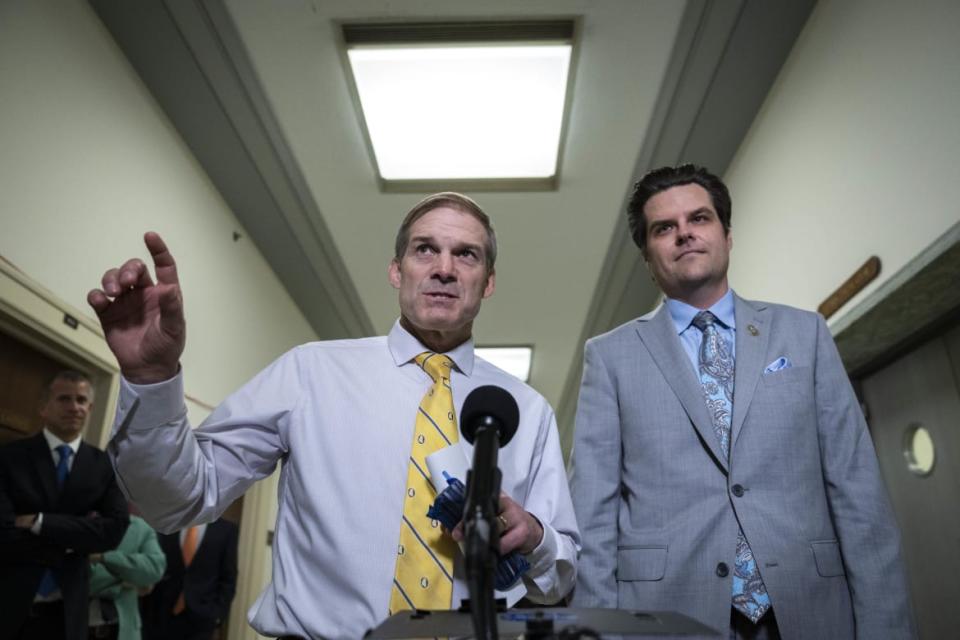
pixel 482 545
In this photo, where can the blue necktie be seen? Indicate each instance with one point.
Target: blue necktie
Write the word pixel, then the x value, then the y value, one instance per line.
pixel 49 584
pixel 63 465
pixel 716 376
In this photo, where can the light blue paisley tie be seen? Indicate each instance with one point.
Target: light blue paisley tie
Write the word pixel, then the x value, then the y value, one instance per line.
pixel 716 376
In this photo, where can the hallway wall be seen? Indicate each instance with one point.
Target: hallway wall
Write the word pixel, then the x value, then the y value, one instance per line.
pixel 854 152
pixel 88 162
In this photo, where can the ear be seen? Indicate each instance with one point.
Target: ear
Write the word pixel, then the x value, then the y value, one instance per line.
pixel 646 263
pixel 491 284
pixel 393 273
pixel 729 240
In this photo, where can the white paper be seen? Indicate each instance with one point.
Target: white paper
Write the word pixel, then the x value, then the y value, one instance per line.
pixel 453 462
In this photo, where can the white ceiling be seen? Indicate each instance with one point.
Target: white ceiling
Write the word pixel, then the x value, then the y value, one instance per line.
pixel 258 90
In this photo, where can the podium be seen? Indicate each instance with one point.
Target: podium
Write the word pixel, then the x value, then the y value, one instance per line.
pixel 542 623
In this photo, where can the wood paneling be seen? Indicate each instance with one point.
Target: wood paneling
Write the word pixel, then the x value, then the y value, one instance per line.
pixel 23 373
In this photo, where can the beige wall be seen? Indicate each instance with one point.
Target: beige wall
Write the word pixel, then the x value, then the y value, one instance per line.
pixel 88 162
pixel 854 153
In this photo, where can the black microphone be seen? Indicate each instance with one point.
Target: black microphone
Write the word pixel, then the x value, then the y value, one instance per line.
pixel 489 406
pixel 488 420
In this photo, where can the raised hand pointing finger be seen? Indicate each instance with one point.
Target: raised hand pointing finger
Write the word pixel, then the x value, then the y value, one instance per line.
pixel 163 261
pixel 143 321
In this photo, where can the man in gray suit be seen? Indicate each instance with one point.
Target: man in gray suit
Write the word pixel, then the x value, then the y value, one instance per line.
pixel 721 465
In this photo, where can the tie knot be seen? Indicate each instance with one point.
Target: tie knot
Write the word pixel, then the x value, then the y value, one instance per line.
pixel 65 451
pixel 436 365
pixel 703 320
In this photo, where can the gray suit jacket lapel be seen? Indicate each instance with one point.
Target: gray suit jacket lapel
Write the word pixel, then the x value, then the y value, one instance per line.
pixel 658 334
pixel 751 347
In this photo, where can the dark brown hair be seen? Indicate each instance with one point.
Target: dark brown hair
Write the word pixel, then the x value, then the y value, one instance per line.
pixel 665 178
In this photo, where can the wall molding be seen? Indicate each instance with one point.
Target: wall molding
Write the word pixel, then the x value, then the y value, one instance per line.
pixel 34 315
pixel 907 309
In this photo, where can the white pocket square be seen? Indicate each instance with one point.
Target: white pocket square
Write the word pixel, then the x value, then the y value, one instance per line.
pixel 778 365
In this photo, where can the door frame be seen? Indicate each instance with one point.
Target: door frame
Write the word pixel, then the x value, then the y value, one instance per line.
pixel 36 316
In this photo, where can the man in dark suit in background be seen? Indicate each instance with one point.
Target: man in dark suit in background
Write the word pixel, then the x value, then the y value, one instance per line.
pixel 193 598
pixel 59 502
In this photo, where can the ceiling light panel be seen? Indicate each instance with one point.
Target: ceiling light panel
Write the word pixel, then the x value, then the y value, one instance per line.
pixel 513 360
pixel 462 111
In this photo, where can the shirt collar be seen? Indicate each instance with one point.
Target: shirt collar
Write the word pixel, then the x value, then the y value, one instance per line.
pixel 405 347
pixel 53 441
pixel 682 313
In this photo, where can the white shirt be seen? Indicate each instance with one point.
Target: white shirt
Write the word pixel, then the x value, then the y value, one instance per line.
pixel 339 415
pixel 53 442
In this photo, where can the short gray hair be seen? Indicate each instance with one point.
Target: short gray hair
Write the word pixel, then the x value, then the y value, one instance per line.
pixel 453 200
pixel 70 375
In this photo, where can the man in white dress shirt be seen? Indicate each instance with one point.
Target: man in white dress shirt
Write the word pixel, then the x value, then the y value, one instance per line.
pixel 340 417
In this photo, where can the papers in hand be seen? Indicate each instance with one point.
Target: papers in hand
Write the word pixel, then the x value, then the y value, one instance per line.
pixel 453 461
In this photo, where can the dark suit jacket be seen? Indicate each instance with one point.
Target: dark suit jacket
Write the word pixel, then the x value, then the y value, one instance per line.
pixel 208 584
pixel 88 515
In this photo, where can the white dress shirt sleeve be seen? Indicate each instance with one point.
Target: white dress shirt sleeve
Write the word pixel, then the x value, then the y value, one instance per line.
pixel 553 563
pixel 179 476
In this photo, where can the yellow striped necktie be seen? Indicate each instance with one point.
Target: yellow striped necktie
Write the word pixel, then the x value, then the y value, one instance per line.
pixel 424 573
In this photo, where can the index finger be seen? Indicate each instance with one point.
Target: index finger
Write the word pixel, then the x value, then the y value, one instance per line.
pixel 163 262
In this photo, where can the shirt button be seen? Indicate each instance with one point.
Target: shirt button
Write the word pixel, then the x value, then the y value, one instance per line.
pixel 411 492
pixel 723 570
pixel 737 490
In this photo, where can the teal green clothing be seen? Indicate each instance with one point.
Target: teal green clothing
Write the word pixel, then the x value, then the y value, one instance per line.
pixel 138 561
